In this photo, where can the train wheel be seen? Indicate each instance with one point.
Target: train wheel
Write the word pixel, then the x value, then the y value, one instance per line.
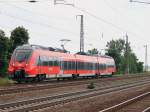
pixel 96 76
pixel 75 76
pixel 58 79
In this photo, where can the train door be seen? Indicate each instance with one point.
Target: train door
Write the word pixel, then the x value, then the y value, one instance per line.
pixel 39 65
pixel 61 64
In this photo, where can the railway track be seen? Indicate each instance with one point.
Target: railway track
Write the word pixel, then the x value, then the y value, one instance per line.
pixel 131 105
pixel 33 87
pixel 147 110
pixel 43 102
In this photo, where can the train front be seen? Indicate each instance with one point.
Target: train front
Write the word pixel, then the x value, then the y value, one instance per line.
pixel 19 63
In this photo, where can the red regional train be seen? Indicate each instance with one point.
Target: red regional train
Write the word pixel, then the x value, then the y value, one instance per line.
pixel 38 63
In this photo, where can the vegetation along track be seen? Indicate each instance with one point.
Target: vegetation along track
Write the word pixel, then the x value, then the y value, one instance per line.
pixel 134 104
pixel 43 102
pixel 49 85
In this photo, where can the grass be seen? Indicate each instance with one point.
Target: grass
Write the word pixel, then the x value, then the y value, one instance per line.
pixel 6 82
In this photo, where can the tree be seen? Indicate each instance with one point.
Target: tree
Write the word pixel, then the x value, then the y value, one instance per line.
pixel 140 67
pixel 19 36
pixel 117 50
pixel 3 43
pixel 93 51
pixel 4 46
pixel 133 63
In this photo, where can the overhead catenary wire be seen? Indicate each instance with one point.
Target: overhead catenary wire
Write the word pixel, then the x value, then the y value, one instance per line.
pixel 122 15
pixel 38 13
pixel 105 21
pixel 98 18
pixel 38 23
pixel 20 1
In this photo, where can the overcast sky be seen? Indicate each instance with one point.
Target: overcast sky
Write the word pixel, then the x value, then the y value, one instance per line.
pixel 48 23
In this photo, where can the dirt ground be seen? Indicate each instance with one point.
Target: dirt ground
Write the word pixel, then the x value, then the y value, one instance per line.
pixel 97 103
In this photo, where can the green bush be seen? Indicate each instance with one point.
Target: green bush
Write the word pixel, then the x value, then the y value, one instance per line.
pixel 91 86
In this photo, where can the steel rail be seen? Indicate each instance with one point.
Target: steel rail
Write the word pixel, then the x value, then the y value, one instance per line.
pixel 55 85
pixel 39 103
pixel 146 110
pixel 125 103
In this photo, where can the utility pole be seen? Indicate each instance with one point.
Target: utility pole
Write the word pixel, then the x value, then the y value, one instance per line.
pixel 127 56
pixel 81 34
pixel 146 61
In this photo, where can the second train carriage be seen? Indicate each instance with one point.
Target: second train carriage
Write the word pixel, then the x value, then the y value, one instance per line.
pixel 30 61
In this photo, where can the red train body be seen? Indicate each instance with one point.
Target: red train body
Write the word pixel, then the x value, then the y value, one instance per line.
pixel 30 61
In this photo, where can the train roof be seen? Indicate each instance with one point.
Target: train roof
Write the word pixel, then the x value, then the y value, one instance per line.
pixel 36 47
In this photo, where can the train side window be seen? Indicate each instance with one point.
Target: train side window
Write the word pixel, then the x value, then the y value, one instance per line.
pixel 56 63
pixel 78 65
pixel 41 60
pixel 45 61
pixel 74 65
pixel 96 66
pixel 65 65
pixel 50 61
pixel 70 63
pixel 104 66
pixel 82 65
pixel 85 67
pixel 101 66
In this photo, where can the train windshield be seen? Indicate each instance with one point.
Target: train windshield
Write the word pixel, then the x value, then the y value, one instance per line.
pixel 22 55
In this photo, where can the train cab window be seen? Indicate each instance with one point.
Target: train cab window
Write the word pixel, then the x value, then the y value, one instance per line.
pixel 37 61
pixel 22 55
pixel 41 60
